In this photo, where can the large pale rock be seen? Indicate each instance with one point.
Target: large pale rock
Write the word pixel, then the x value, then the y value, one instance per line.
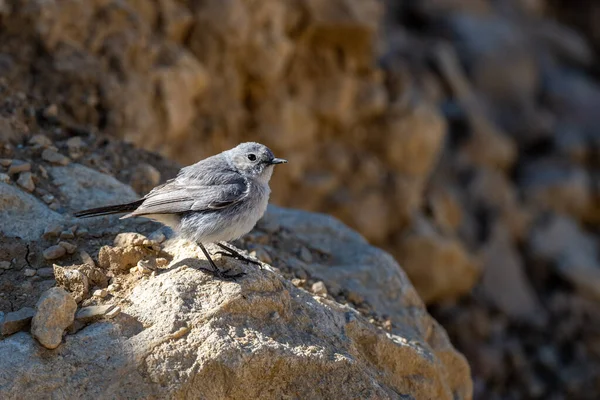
pixel 85 188
pixel 184 334
pixel 55 311
pixel 23 215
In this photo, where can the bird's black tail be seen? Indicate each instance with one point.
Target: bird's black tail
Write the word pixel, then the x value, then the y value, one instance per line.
pixel 107 210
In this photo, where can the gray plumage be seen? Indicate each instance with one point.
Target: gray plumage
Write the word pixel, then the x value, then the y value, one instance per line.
pixel 217 199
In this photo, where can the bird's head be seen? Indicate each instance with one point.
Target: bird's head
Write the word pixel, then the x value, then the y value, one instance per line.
pixel 254 160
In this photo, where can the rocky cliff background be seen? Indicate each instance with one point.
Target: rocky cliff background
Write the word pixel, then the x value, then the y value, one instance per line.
pixel 459 135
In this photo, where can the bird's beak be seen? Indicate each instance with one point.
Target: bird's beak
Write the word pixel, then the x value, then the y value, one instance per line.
pixel 278 161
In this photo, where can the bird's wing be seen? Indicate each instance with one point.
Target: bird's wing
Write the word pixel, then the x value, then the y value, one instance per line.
pixel 201 187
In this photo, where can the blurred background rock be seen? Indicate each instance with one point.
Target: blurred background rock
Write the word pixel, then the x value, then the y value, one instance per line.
pixel 460 135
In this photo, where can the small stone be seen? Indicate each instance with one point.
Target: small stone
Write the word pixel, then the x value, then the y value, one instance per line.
pixel 305 255
pixel 67 235
pixel 54 252
pixel 29 272
pixel 102 293
pixel 82 232
pixel 47 198
pixel 26 181
pixel 75 327
pixel 46 272
pixel 72 280
pixel 51 111
pixel 161 262
pixel 52 231
pixel 86 258
pixel 55 312
pixel 55 157
pixel 319 288
pixel 40 140
pixel 69 247
pixel 5 162
pixel 92 313
pixel 298 282
pixel 54 205
pixel 75 143
pixel 43 172
pixel 4 178
pixel 113 287
pixel 16 321
pixel 19 166
pixel 270 225
pixel 4 264
pixel 113 313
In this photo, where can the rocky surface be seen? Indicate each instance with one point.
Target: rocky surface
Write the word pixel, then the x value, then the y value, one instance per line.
pixel 461 136
pixel 290 327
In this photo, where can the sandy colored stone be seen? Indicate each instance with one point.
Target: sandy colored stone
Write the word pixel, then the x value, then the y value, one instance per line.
pixel 18 166
pixel 25 180
pixel 54 252
pixel 72 280
pixel 16 321
pixel 55 311
pixel 54 157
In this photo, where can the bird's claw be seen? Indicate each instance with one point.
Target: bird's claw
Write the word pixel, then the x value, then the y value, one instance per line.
pixel 223 275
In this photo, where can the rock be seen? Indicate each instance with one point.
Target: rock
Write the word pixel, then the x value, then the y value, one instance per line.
pixel 52 231
pixel 144 178
pixel 115 311
pixel 23 215
pixel 101 293
pixel 40 140
pixel 54 157
pixel 16 321
pixel 73 280
pixel 68 234
pixel 25 180
pixel 69 247
pixel 573 252
pixel 75 143
pixel 505 282
pixel 51 111
pixel 18 166
pixel 5 162
pixel 184 320
pixel 440 267
pixel 47 198
pixel 75 184
pixel 4 178
pixel 92 313
pixel 5 265
pixel 46 272
pixel 559 187
pixel 54 252
pixel 29 272
pixel 319 288
pixel 122 258
pixel 55 311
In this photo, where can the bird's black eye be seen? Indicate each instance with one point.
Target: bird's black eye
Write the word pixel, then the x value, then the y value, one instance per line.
pixel 252 157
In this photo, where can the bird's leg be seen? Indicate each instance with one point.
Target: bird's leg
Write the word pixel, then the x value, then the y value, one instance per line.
pixel 216 271
pixel 230 252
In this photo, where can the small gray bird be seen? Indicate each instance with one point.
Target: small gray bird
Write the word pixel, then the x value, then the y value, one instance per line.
pixel 215 200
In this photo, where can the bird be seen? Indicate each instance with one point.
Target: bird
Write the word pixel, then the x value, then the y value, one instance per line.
pixel 216 200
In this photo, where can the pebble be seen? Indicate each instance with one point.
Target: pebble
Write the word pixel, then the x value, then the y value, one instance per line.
pixel 91 313
pixel 75 143
pixel 18 166
pixel 51 111
pixel 43 171
pixel 4 178
pixel 26 181
pixel 54 205
pixel 102 293
pixel 5 162
pixel 157 236
pixel 52 231
pixel 113 287
pixel 82 232
pixel 46 272
pixel 16 321
pixel 262 255
pixel 69 247
pixel 67 234
pixel 55 157
pixel 86 258
pixel 319 288
pixel 40 140
pixel 47 198
pixel 54 252
pixel 55 311
pixel 4 264
pixel 29 272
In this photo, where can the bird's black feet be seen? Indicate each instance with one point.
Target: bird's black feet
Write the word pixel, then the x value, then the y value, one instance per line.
pixel 215 271
pixel 223 275
pixel 230 252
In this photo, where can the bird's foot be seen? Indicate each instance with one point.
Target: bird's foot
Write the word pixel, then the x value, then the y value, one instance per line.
pixel 229 252
pixel 223 275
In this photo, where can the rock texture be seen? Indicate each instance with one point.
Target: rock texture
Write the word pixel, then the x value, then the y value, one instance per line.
pixel 55 311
